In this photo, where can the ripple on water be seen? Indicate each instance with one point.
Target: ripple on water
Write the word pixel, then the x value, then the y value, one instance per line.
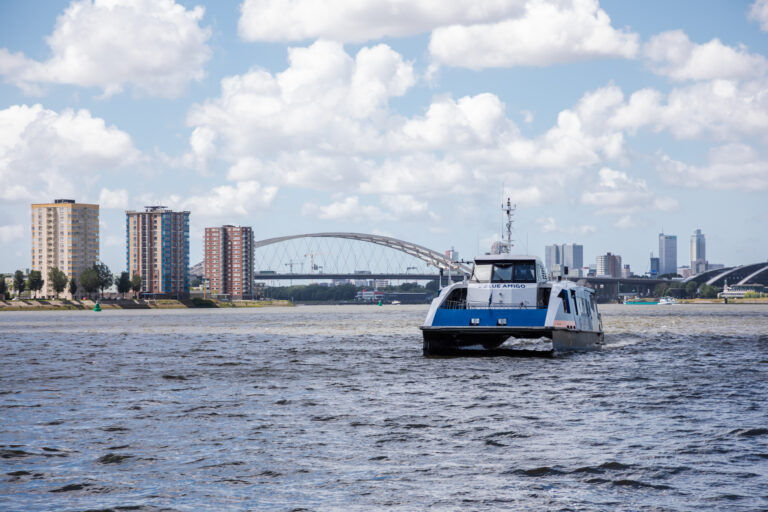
pixel 335 408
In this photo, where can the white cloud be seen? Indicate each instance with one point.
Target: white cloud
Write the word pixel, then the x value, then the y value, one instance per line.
pixel 472 121
pixel 156 46
pixel 672 54
pixel 722 108
pixel 731 166
pixel 525 196
pixel 349 209
pixel 244 199
pixel 49 154
pixel 360 20
pixel 549 225
pixel 546 33
pixel 325 100
pixel 11 233
pixel 616 192
pixel 421 174
pixel 394 207
pixel 759 12
pixel 325 123
pixel 113 198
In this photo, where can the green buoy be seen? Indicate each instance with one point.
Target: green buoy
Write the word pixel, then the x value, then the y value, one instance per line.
pixel 97 307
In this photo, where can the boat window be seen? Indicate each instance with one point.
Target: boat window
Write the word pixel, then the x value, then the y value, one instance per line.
pixel 525 273
pixel 575 302
pixel 481 273
pixel 502 273
pixel 564 296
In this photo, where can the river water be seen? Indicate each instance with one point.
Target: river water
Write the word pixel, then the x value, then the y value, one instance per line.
pixel 331 408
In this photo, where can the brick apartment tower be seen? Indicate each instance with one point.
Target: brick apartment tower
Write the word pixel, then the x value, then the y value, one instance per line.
pixel 229 261
pixel 65 234
pixel 157 249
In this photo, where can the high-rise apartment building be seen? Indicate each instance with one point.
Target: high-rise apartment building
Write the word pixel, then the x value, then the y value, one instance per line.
pixel 157 249
pixel 667 254
pixel 698 252
pixel 229 261
pixel 559 256
pixel 609 265
pixel 65 234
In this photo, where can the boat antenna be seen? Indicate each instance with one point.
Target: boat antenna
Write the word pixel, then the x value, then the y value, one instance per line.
pixel 509 210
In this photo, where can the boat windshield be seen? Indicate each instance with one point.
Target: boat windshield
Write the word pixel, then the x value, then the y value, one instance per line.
pixel 505 272
pixel 525 273
pixel 481 273
pixel 502 272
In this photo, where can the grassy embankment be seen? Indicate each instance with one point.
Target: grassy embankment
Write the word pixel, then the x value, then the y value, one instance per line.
pixel 763 300
pixel 63 305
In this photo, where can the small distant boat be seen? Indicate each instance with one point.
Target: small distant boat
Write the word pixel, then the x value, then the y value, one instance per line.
pixel 396 303
pixel 665 301
pixel 638 302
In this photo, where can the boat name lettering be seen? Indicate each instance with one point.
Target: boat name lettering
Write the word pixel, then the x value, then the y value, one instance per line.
pixel 502 285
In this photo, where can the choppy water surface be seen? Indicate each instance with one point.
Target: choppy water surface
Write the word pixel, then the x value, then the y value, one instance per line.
pixel 335 408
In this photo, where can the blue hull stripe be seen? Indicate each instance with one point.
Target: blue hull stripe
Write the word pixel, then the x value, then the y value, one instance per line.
pixel 490 317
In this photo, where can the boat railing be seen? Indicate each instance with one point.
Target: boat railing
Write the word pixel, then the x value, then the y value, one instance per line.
pixel 454 304
pixel 464 304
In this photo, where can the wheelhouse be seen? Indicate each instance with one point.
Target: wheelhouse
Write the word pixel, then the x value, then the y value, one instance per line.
pixel 508 271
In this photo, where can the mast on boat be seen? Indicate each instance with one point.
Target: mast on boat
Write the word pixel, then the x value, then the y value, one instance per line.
pixel 509 210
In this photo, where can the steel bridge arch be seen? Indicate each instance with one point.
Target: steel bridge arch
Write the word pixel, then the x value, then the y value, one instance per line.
pixel 431 257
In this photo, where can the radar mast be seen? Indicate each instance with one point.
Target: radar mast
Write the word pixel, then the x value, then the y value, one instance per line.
pixel 509 210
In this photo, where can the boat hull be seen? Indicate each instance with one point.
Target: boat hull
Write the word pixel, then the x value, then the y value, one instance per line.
pixel 445 340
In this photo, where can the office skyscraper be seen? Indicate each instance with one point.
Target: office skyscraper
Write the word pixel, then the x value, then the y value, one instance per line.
pixel 157 249
pixel 698 252
pixel 654 266
pixel 559 256
pixel 229 261
pixel 667 254
pixel 65 234
pixel 552 258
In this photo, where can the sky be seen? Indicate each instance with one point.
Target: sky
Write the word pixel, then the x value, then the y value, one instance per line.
pixel 604 122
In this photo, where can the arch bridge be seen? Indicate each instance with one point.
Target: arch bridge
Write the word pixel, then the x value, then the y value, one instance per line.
pixel 426 255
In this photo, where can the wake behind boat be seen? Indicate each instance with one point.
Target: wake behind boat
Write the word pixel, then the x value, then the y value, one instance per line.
pixel 509 296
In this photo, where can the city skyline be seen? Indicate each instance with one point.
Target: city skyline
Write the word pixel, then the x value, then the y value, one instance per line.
pixel 555 256
pixel 633 120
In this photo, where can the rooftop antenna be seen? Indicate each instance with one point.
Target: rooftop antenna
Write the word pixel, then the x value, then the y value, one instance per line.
pixel 509 210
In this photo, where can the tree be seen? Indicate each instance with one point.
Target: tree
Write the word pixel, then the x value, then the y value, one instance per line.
pixel 35 281
pixel 123 283
pixel 72 287
pixel 58 280
pixel 136 283
pixel 89 280
pixel 18 282
pixel 3 287
pixel 660 290
pixel 105 276
pixel 708 292
pixel 690 289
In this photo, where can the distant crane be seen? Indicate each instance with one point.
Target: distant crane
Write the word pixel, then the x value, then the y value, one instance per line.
pixel 312 266
pixel 291 263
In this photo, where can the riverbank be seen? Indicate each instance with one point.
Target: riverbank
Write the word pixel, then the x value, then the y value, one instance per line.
pixel 721 301
pixel 64 305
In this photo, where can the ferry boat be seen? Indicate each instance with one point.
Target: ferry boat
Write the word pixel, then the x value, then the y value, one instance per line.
pixel 508 296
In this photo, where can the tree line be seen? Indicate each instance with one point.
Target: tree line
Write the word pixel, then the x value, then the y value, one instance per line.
pixel 690 291
pixel 345 292
pixel 96 278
